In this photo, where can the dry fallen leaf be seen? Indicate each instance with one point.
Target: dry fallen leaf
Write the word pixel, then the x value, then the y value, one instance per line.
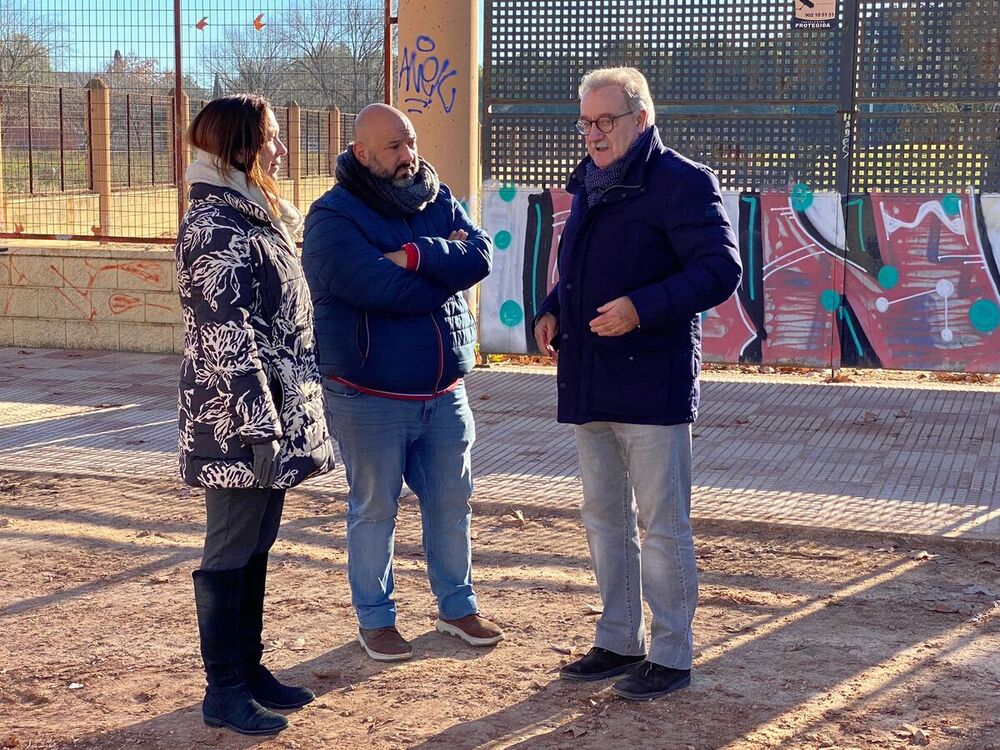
pixel 590 609
pixel 515 518
pixel 922 555
pixel 946 609
pixel 75 685
pixel 299 644
pixel 562 648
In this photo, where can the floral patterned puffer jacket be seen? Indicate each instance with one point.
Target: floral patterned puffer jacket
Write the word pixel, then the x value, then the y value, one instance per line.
pixel 249 372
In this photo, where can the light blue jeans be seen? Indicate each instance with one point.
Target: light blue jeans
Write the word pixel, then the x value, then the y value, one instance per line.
pixel 646 468
pixel 429 444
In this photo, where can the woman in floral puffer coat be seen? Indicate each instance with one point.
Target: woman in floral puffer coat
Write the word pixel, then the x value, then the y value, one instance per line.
pixel 251 404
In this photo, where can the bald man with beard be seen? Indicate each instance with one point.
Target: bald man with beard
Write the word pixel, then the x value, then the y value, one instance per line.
pixel 387 254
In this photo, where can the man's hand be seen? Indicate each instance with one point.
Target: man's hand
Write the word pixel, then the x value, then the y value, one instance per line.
pixel 545 330
pixel 458 234
pixel 398 257
pixel 265 463
pixel 616 318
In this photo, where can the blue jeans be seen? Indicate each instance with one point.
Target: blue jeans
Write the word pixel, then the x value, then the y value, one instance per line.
pixel 646 468
pixel 429 444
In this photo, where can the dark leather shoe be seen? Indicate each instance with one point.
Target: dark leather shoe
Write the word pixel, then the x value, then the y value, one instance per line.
pixel 649 681
pixel 384 644
pixel 599 664
pixel 270 693
pixel 235 708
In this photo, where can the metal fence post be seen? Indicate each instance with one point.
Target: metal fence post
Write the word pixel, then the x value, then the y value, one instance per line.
pixel 99 118
pixel 295 150
pixel 847 97
pixel 184 151
pixel 3 205
pixel 333 136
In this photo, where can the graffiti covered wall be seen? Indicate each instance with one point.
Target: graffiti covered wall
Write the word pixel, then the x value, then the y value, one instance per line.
pixel 896 281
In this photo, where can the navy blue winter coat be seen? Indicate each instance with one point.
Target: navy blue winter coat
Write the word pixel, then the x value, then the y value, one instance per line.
pixel 383 327
pixel 662 238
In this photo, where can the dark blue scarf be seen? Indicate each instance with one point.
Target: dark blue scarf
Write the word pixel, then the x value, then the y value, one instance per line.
pixel 598 181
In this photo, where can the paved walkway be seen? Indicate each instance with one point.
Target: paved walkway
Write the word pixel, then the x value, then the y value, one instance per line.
pixel 895 459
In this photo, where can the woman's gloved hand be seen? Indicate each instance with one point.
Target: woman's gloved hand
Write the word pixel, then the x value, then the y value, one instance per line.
pixel 265 462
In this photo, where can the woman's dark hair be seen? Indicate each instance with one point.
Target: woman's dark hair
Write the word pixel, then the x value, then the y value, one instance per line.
pixel 234 129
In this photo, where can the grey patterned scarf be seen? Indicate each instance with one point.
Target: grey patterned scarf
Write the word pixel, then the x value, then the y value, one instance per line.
pixel 598 181
pixel 380 193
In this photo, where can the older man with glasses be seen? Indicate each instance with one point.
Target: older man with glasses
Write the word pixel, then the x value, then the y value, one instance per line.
pixel 646 249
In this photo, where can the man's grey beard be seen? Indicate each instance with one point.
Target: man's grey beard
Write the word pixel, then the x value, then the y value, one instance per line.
pixel 404 182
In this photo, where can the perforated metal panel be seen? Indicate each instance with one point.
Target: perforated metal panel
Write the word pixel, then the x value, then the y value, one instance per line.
pixel 913 85
pixel 918 153
pixel 763 152
pixel 746 152
pixel 691 50
pixel 929 50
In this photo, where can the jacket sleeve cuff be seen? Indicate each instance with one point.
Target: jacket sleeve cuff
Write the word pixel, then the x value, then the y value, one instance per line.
pixel 412 256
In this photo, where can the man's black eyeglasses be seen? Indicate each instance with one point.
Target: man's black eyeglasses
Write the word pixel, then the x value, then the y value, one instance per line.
pixel 605 123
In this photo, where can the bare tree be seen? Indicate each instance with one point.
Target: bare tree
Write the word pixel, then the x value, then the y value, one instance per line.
pixel 338 55
pixel 253 62
pixel 28 39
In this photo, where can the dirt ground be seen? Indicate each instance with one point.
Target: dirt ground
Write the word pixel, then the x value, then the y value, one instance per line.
pixel 805 639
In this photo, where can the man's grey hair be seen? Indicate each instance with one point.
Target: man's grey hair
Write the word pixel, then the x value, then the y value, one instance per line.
pixel 632 84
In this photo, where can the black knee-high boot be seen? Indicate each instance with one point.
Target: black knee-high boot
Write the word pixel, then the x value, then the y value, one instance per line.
pixel 218 595
pixel 266 689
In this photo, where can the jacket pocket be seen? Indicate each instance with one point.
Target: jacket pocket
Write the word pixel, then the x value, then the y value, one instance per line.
pixel 631 382
pixel 338 390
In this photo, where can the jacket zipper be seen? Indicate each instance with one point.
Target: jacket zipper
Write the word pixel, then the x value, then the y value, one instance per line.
pixel 440 339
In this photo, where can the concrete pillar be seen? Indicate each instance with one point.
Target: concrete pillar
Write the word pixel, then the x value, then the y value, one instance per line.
pixel 99 118
pixel 295 150
pixel 437 86
pixel 333 145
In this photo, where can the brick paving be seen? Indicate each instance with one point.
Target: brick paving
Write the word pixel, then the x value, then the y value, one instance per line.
pixel 920 460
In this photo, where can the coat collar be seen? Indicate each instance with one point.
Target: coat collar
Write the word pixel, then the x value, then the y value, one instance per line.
pixel 635 175
pixel 201 191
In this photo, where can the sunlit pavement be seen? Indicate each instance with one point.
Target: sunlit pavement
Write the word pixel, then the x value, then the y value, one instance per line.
pixel 862 457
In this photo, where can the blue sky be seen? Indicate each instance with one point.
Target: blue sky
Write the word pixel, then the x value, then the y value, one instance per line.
pixel 144 28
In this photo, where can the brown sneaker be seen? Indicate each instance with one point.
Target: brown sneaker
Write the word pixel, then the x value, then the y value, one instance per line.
pixel 384 644
pixel 474 629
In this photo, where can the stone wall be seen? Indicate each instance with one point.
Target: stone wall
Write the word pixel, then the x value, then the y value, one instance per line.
pixel 110 297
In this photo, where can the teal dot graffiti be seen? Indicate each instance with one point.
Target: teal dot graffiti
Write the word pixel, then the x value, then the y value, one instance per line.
pixel 507 193
pixel 511 313
pixel 984 315
pixel 830 300
pixel 951 203
pixel 888 276
pixel 802 196
pixel 502 239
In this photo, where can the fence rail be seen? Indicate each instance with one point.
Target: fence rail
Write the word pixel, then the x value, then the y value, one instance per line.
pixel 66 153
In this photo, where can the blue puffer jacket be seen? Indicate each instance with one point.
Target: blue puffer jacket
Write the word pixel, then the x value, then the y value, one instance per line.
pixel 662 238
pixel 380 326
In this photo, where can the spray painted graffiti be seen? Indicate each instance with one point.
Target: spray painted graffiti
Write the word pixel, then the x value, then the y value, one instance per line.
pixel 85 297
pixel 878 280
pixel 424 76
